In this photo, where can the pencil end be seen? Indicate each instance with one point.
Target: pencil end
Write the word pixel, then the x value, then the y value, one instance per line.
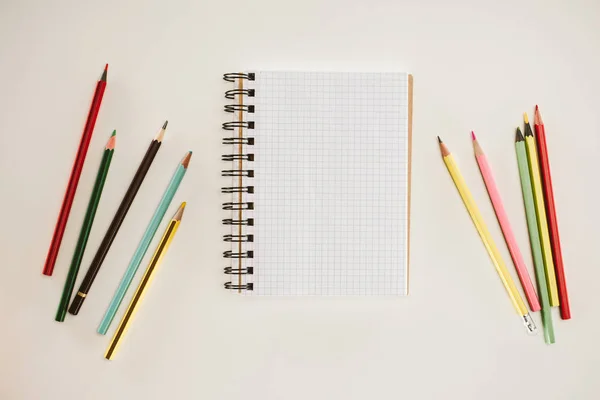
pixel 519 135
pixel 161 134
pixel 443 148
pixel 186 159
pixel 112 141
pixel 529 324
pixel 537 116
pixel 179 214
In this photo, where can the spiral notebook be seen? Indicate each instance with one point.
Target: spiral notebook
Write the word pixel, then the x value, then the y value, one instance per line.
pixel 318 168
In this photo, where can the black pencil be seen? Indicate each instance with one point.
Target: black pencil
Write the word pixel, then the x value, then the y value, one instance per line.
pixel 120 215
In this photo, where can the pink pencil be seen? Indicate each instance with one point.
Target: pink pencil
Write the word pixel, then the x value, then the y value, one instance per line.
pixel 509 237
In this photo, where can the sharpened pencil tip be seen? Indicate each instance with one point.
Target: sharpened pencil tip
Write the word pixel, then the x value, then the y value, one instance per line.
pixel 104 73
pixel 525 118
pixel 112 141
pixel 443 148
pixel 179 213
pixel 165 124
pixel 161 134
pixel 473 135
pixel 186 159
pixel 537 118
pixel 519 135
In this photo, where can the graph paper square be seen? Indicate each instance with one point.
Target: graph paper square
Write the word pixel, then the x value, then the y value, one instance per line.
pixel 331 183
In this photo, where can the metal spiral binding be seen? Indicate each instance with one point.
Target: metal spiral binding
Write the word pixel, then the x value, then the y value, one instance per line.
pixel 238 143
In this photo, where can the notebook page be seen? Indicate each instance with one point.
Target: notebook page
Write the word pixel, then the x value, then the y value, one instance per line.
pixel 331 183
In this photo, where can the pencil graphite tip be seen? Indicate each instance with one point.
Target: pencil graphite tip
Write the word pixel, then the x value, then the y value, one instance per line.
pixel 528 131
pixel 519 135
pixel 112 141
pixel 439 140
pixel 104 73
pixel 186 159
pixel 165 124
pixel 473 135
pixel 525 118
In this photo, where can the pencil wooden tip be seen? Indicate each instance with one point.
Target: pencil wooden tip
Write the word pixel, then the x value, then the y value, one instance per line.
pixel 519 135
pixel 525 118
pixel 179 213
pixel 443 148
pixel 186 159
pixel 110 145
pixel 476 147
pixel 161 134
pixel 537 116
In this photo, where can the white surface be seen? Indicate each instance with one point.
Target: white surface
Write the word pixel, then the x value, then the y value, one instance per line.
pixel 477 65
pixel 330 184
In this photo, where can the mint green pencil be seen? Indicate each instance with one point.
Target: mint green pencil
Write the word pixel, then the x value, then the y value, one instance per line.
pixel 144 244
pixel 534 236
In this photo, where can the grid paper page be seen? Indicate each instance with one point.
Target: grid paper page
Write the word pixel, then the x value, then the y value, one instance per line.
pixel 331 183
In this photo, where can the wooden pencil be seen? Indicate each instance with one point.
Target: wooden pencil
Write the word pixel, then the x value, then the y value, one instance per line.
pixel 138 296
pixel 136 260
pixel 486 238
pixel 504 222
pixel 534 236
pixel 118 219
pixel 84 144
pixel 538 196
pixel 559 269
pixel 86 228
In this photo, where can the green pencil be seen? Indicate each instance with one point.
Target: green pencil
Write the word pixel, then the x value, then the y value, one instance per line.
pixel 534 236
pixel 86 228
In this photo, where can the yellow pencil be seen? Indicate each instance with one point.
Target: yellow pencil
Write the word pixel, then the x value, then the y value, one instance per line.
pixel 486 237
pixel 540 210
pixel 161 249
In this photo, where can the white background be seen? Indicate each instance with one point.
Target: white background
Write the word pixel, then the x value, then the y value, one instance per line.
pixel 476 66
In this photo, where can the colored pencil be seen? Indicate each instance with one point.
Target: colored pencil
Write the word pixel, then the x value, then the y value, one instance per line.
pixel 509 236
pixel 559 269
pixel 538 197
pixel 84 144
pixel 144 244
pixel 136 300
pixel 534 235
pixel 86 228
pixel 486 237
pixel 118 219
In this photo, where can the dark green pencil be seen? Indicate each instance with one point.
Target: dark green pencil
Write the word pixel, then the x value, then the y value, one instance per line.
pixel 86 228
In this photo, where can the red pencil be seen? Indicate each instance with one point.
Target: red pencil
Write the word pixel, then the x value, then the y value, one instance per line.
pixel 65 209
pixel 565 310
